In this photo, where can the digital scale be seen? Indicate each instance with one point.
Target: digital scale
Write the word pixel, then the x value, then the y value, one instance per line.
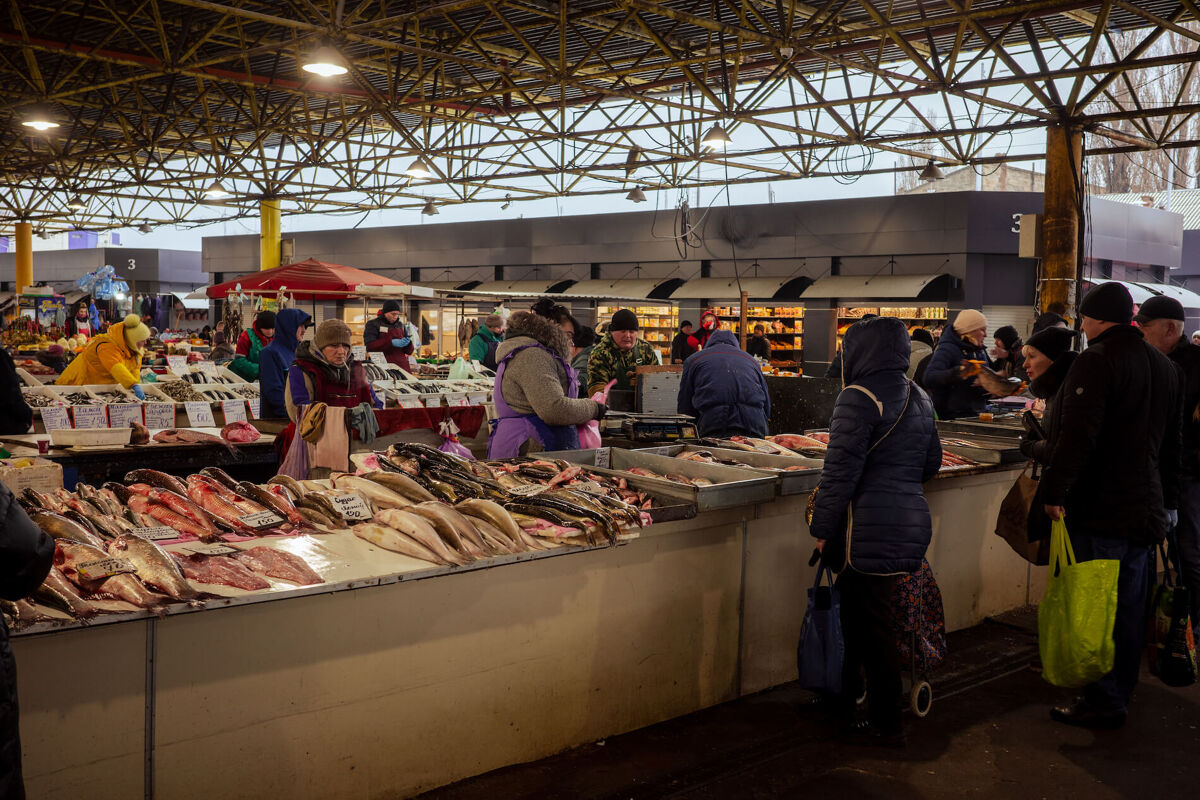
pixel 649 427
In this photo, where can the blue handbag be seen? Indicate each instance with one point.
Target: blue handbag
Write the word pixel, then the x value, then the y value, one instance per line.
pixel 822 650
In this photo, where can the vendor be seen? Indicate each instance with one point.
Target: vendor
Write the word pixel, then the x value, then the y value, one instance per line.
pixel 113 357
pixel 724 389
pixel 482 347
pixel 250 345
pixel 757 345
pixel 680 347
pixel 277 357
pixel 15 414
pixel 78 322
pixel 535 390
pixel 708 324
pixel 1008 360
pixel 953 394
pixel 388 334
pixel 324 372
pixel 619 354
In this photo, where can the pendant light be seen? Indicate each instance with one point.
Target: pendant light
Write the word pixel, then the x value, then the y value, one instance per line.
pixel 145 228
pixel 716 139
pixel 419 169
pixel 216 191
pixel 636 195
pixel 76 203
pixel 40 119
pixel 325 62
pixel 931 172
pixel 430 209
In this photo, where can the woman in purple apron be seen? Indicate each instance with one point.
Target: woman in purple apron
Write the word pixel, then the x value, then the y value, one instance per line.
pixel 534 394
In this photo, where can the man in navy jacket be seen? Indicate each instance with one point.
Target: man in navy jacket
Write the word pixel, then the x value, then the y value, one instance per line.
pixel 724 389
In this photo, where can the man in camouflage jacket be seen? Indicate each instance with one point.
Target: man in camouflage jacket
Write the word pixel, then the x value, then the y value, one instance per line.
pixel 619 354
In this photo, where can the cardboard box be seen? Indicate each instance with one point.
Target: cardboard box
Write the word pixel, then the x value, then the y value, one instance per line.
pixel 42 475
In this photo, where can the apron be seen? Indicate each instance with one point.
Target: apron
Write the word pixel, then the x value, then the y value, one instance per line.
pixel 510 430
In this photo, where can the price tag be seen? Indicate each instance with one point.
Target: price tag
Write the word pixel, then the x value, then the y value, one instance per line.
pixel 212 549
pixel 104 568
pixel 262 519
pixel 352 507
pixel 89 416
pixel 358 352
pixel 476 399
pixel 378 359
pixel 121 414
pixel 157 534
pixel 207 367
pixel 200 414
pixel 409 401
pixel 460 400
pixel 178 364
pixel 160 415
pixel 255 407
pixel 234 410
pixel 602 458
pixel 432 400
pixel 528 491
pixel 56 418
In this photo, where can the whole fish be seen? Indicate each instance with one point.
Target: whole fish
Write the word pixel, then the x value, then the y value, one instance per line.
pixel 60 527
pixel 219 570
pixel 269 501
pixel 423 533
pixel 291 483
pixel 186 436
pixel 154 566
pixel 42 500
pixel 58 592
pixel 278 564
pixel 462 531
pixel 397 542
pixel 68 556
pixel 492 537
pixel 156 478
pixel 163 515
pixel 994 383
pixel 376 493
pixel 220 476
pixel 119 491
pixel 181 505
pixel 317 518
pixel 401 484
pixel 322 505
pixel 213 503
pixel 84 521
pixel 494 514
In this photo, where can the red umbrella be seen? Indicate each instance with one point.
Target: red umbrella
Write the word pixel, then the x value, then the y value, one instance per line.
pixel 311 280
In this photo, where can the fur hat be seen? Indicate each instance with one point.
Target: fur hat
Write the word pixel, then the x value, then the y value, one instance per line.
pixel 332 331
pixel 969 320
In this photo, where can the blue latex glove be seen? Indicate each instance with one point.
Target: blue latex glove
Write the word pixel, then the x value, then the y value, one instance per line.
pixel 139 392
pixel 401 343
pixel 1172 517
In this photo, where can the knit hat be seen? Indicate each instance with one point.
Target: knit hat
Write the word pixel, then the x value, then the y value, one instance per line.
pixel 1052 342
pixel 1160 307
pixel 1108 302
pixel 136 332
pixel 389 306
pixel 1008 336
pixel 55 351
pixel 969 320
pixel 265 320
pixel 1049 320
pixel 332 331
pixel 922 335
pixel 624 320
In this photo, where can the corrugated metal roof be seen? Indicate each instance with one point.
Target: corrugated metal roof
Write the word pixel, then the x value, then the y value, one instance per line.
pixel 1179 201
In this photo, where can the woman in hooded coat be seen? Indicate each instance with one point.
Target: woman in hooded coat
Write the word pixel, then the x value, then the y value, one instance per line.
pixel 536 406
pixel 277 357
pixel 883 446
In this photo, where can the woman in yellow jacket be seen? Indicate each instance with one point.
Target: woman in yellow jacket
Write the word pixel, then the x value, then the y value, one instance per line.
pixel 113 357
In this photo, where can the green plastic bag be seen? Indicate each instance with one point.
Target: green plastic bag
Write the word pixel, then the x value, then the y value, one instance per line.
pixel 1076 615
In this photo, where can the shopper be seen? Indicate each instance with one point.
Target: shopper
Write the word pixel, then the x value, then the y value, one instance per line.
pixel 834 370
pixel 324 372
pixel 78 322
pixel 724 389
pixel 1113 475
pixel 1196 337
pixel 921 352
pixel 112 357
pixel 1008 360
pixel 276 358
pixel 681 348
pixel 619 354
pixel 708 325
pixel 55 358
pixel 758 345
pixel 250 345
pixel 387 333
pixel 582 345
pixel 1161 320
pixel 1048 358
pixel 536 407
pixel 15 414
pixel 953 394
pixel 221 351
pixel 28 554
pixel 1049 319
pixel 882 446
pixel 483 344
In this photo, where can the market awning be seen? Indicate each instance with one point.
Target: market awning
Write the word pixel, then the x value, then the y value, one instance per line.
pixel 880 287
pixel 613 288
pixel 385 292
pixel 1141 292
pixel 518 287
pixel 310 280
pixel 731 288
pixel 449 286
pixel 192 300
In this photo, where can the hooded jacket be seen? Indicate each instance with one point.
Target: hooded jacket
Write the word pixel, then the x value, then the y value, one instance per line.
pixel 1115 462
pixel 880 489
pixel 313 379
pixel 533 381
pixel 249 351
pixel 378 335
pixel 724 389
pixel 953 396
pixel 483 347
pixel 108 358
pixel 275 360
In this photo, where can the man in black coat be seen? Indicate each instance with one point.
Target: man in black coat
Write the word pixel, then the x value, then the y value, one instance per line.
pixel 26 554
pixel 15 414
pixel 1114 476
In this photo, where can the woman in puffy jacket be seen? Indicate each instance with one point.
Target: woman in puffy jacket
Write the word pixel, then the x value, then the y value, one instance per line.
pixel 953 394
pixel 882 447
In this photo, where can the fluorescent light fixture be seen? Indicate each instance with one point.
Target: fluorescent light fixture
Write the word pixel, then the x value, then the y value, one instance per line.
pixel 430 209
pixel 419 169
pixel 716 138
pixel 40 119
pixel 216 191
pixel 931 172
pixel 76 203
pixel 637 195
pixel 325 62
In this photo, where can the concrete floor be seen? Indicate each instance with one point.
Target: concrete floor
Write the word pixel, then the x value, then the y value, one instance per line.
pixel 987 736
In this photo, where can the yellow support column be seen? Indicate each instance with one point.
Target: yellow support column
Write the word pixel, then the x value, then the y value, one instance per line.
pixel 24 253
pixel 270 234
pixel 1060 224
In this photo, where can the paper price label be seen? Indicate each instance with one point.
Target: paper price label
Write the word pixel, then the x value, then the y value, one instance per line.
pixel 409 402
pixel 352 507
pixel 358 352
pixel 262 519
pixel 89 416
pixel 207 367
pixel 200 414
pixel 528 491
pixel 432 400
pixel 255 404
pixel 56 418
pixel 476 399
pixel 178 364
pixel 602 458
pixel 212 549
pixel 160 415
pixel 234 410
pixel 461 401
pixel 157 534
pixel 103 568
pixel 378 359
pixel 121 414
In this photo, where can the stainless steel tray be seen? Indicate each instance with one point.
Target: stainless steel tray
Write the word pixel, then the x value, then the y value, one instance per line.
pixel 787 481
pixel 1006 426
pixel 732 486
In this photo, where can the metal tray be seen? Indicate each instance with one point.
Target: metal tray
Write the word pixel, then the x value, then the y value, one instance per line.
pixel 732 486
pixel 787 482
pixel 1006 426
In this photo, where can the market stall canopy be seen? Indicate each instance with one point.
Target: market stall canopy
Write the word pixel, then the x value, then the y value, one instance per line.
pixel 1141 292
pixel 449 286
pixel 385 292
pixel 880 287
pixel 537 287
pixel 731 288
pixel 616 289
pixel 311 280
pixel 192 300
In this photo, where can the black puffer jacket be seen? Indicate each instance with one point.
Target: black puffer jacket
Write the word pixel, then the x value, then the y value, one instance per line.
pixel 952 396
pixel 1115 465
pixel 15 414
pixel 1187 357
pixel 881 489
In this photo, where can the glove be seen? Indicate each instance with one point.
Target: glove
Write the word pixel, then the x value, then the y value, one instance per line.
pixel 401 343
pixel 1027 446
pixel 1172 517
pixel 601 410
pixel 139 392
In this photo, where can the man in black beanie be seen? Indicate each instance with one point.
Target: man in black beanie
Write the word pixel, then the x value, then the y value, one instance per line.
pixel 1113 475
pixel 619 354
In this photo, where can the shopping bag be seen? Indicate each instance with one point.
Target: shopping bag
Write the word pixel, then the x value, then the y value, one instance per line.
pixel 919 620
pixel 1173 646
pixel 461 370
pixel 1076 615
pixel 589 432
pixel 1012 524
pixel 821 649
